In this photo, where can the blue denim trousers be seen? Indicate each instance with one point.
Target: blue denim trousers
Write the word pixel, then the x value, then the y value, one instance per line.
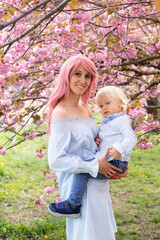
pixel 79 183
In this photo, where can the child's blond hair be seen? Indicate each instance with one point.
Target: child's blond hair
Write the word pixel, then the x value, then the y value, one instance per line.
pixel 115 94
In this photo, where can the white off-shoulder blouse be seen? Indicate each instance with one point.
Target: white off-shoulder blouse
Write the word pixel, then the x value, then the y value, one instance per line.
pixel 71 150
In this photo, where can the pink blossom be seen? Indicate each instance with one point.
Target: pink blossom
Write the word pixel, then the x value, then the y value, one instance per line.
pixel 143 101
pixel 33 135
pixel 36 49
pixel 56 177
pixel 40 154
pixel 40 201
pixel 2 151
pixel 9 57
pixel 149 145
pixel 6 102
pixel 91 55
pixel 58 199
pixel 151 48
pixel 3 37
pixel 158 45
pixel 131 37
pixel 145 146
pixel 49 189
pixel 84 17
pixel 131 53
pixel 32 60
pixel 142 88
pixel 104 31
pixel 147 126
pixel 58 30
pixel 121 78
pixel 116 62
pixel 36 201
pixel 2 12
pixel 23 71
pixel 136 12
pixel 99 57
pixel 107 63
pixel 121 28
pixel 48 175
pixel 67 28
pixel 2 79
pixel 111 55
pixel 79 28
pixel 10 74
pixel 74 15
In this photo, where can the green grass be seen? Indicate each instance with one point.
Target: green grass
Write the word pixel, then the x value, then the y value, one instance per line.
pixel 135 198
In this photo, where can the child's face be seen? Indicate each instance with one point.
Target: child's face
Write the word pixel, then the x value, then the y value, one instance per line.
pixel 108 106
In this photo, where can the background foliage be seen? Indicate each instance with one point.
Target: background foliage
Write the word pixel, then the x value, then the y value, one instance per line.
pixel 36 37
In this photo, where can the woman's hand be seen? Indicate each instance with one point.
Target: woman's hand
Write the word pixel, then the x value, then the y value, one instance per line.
pixel 119 176
pixel 106 168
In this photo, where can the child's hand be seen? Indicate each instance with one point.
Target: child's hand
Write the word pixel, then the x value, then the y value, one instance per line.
pixel 114 153
pixel 97 141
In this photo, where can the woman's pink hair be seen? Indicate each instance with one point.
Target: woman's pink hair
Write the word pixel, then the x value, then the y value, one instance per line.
pixel 62 84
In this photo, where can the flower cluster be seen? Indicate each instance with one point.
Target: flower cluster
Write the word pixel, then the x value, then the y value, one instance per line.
pixel 40 201
pixel 49 189
pixel 2 150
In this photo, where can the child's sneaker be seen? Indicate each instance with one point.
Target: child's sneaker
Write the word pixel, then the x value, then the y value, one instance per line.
pixel 64 209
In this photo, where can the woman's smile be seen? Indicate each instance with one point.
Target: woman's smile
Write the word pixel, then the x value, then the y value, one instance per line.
pixel 80 81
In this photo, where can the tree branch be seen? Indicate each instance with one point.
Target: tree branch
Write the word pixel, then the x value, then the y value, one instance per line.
pixel 13 21
pixel 143 60
pixel 141 73
pixel 58 8
pixel 37 135
pixel 149 86
pixel 152 107
pixel 36 37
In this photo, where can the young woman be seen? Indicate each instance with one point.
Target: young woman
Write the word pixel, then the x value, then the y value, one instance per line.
pixel 72 133
pixel 116 135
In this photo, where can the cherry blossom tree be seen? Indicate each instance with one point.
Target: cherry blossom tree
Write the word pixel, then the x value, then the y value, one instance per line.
pixel 36 37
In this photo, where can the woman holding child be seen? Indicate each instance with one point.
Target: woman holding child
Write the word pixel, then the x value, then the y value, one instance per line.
pixel 72 148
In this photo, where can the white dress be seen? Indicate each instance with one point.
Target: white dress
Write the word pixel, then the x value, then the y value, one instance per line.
pixel 72 142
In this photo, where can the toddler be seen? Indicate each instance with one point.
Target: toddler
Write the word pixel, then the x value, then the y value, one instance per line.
pixel 116 135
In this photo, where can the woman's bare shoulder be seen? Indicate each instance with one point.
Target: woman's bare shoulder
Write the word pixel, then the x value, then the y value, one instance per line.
pixel 59 112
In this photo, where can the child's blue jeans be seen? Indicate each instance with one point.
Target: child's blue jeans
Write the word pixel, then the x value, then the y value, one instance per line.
pixel 80 182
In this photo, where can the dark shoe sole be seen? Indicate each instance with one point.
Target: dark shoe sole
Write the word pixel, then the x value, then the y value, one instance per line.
pixel 75 215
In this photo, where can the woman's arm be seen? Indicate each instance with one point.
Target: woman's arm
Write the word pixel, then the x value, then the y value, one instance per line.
pixel 62 160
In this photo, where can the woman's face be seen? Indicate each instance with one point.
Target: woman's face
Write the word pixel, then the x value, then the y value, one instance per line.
pixel 80 81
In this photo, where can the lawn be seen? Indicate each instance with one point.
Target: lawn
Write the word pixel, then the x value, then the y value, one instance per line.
pixel 136 198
